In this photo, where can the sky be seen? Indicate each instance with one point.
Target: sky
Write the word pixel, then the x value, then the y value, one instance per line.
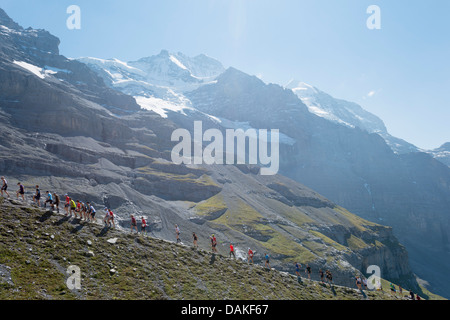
pixel 400 72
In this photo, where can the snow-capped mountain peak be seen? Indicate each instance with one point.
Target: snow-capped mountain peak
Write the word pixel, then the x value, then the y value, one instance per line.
pixel 346 113
pixel 336 110
pixel 170 67
pixel 296 86
pixel 158 82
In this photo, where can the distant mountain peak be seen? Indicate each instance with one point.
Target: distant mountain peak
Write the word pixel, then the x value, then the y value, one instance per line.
pixel 158 82
pixel 180 66
pixel 164 53
pixel 6 21
pixel 39 41
pixel 302 88
pixel 336 110
pixel 445 147
pixel 233 74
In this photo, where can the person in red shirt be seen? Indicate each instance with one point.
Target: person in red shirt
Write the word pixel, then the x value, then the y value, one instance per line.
pixel 213 243
pixel 250 255
pixel 133 223
pixel 111 218
pixel 144 225
pixel 232 251
pixel 78 209
pixel 67 205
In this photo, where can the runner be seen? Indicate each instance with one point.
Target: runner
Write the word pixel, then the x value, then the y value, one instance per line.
pixel 4 186
pixel 364 281
pixel 393 291
pixel 73 207
pixel 91 211
pixel 213 243
pixel 83 211
pixel 266 256
pixel 106 218
pixel 177 231
pixel 67 204
pixel 329 277
pixel 111 219
pixel 56 202
pixel 194 236
pixel 78 209
pixel 37 196
pixel 21 191
pixel 378 285
pixel 134 224
pixel 358 282
pixel 308 271
pixel 232 251
pixel 49 200
pixel 143 225
pixel 88 211
pixel 297 269
pixel 250 255
pixel 321 274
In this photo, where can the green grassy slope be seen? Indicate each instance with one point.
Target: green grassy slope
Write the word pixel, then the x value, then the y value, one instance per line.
pixel 37 247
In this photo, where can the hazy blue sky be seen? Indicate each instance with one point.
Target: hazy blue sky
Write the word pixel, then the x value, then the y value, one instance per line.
pixel 400 73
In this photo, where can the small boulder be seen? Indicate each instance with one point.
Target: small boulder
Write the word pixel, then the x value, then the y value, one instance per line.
pixel 112 241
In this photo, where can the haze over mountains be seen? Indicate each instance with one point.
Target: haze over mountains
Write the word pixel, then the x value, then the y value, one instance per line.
pixel 100 130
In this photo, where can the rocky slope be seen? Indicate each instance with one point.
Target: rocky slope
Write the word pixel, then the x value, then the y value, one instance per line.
pixel 37 248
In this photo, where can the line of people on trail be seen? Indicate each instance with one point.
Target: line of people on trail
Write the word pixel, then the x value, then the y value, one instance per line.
pixel 4 189
pixel 327 274
pixel 361 281
pixel 326 277
pixel 411 295
pixel 250 255
pixel 213 240
pixel 86 211
pixel 134 224
pixel 76 208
